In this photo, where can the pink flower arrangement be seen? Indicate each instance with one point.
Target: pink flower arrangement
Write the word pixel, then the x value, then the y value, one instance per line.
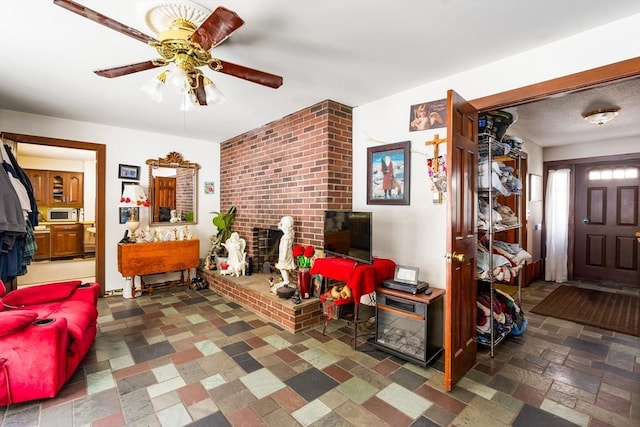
pixel 303 255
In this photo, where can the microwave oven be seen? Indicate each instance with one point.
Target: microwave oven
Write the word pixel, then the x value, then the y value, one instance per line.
pixel 62 214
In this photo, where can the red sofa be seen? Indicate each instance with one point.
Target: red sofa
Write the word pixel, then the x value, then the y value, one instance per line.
pixel 45 332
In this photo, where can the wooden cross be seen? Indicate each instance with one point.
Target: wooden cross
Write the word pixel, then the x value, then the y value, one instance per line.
pixel 435 142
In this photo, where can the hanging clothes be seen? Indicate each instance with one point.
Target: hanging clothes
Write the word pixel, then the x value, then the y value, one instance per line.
pixel 17 236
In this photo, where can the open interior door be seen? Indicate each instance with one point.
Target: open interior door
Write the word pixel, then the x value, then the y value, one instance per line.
pixel 460 313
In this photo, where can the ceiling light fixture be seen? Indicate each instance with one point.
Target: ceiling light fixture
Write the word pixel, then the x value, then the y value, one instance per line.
pixel 601 115
pixel 185 77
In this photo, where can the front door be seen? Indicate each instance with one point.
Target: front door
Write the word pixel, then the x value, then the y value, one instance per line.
pixel 606 221
pixel 460 312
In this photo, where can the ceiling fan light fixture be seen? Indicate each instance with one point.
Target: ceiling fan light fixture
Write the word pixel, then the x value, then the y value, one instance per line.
pixel 189 102
pixel 601 115
pixel 213 94
pixel 153 86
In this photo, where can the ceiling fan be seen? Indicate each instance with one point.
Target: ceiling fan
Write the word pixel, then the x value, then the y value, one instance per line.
pixel 184 44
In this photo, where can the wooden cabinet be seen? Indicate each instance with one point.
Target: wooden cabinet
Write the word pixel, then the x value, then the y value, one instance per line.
pixel 66 240
pixel 40 183
pixel 140 259
pixel 43 242
pixel 57 188
pixel 66 188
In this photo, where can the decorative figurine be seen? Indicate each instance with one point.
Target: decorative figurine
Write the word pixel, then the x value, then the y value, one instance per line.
pixel 236 261
pixel 285 256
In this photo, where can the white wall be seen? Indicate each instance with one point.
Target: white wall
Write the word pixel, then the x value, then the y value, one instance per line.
pixel 129 147
pixel 596 149
pixel 415 234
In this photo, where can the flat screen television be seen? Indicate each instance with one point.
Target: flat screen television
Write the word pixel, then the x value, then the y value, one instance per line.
pixel 347 234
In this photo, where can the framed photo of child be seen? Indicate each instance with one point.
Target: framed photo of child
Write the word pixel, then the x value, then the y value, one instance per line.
pixel 428 115
pixel 388 174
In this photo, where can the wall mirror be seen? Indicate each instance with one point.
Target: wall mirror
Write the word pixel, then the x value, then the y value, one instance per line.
pixel 172 190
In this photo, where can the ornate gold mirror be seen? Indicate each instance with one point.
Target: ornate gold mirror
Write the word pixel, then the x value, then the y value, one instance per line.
pixel 172 190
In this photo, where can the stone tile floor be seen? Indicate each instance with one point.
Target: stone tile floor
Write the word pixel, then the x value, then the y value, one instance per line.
pixel 195 358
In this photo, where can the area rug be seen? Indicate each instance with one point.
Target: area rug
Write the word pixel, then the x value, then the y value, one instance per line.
pixel 606 310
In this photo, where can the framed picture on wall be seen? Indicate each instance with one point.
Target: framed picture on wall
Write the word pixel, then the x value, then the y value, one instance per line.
pixel 428 115
pixel 125 214
pixel 388 174
pixel 129 172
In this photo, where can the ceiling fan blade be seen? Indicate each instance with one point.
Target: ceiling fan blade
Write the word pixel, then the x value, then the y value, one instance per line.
pixel 216 28
pixel 249 74
pixel 126 69
pixel 104 20
pixel 200 93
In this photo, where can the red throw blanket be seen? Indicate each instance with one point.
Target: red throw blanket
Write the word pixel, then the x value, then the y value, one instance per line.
pixel 360 278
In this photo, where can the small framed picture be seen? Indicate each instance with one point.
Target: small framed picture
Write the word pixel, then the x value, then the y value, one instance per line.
pixel 125 214
pixel 129 172
pixel 388 174
pixel 428 115
pixel 209 188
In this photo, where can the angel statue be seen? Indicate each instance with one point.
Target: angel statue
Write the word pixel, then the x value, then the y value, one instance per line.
pixel 236 261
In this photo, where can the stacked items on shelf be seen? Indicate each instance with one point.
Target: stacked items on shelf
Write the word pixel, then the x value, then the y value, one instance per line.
pixel 499 157
pixel 508 259
pixel 508 317
pixel 502 217
pixel 502 178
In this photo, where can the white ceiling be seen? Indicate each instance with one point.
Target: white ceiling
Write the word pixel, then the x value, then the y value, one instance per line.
pixel 350 51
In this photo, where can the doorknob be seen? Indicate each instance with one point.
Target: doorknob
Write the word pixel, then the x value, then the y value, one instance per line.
pixel 585 220
pixel 454 256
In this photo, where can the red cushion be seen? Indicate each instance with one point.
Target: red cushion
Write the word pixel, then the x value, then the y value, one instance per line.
pixel 40 294
pixel 3 289
pixel 13 321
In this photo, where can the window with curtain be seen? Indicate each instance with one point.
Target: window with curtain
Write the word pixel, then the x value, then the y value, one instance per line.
pixel 557 224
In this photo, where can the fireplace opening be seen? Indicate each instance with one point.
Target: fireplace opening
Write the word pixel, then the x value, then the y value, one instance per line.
pixel 266 244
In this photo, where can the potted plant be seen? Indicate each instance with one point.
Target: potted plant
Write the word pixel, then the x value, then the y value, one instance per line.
pixel 223 223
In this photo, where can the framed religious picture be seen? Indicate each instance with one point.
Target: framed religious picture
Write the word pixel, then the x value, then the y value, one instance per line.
pixel 388 174
pixel 129 172
pixel 428 115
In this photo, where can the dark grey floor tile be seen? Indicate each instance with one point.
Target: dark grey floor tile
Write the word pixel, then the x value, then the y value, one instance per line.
pixel 587 346
pixel 574 377
pixel 311 384
pixel 216 419
pixel 424 422
pixel 153 351
pixel 194 300
pixel 135 340
pixel 130 312
pixel 235 328
pixel 236 348
pixel 248 363
pixel 616 370
pixel 534 417
pixel 406 378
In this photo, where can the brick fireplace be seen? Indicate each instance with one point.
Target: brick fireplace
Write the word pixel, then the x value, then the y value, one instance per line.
pixel 299 165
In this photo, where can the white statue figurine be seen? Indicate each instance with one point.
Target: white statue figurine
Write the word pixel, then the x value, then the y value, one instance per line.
pixel 285 256
pixel 237 256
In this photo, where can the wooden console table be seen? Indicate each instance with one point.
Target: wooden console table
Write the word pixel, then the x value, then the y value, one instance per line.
pixel 141 259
